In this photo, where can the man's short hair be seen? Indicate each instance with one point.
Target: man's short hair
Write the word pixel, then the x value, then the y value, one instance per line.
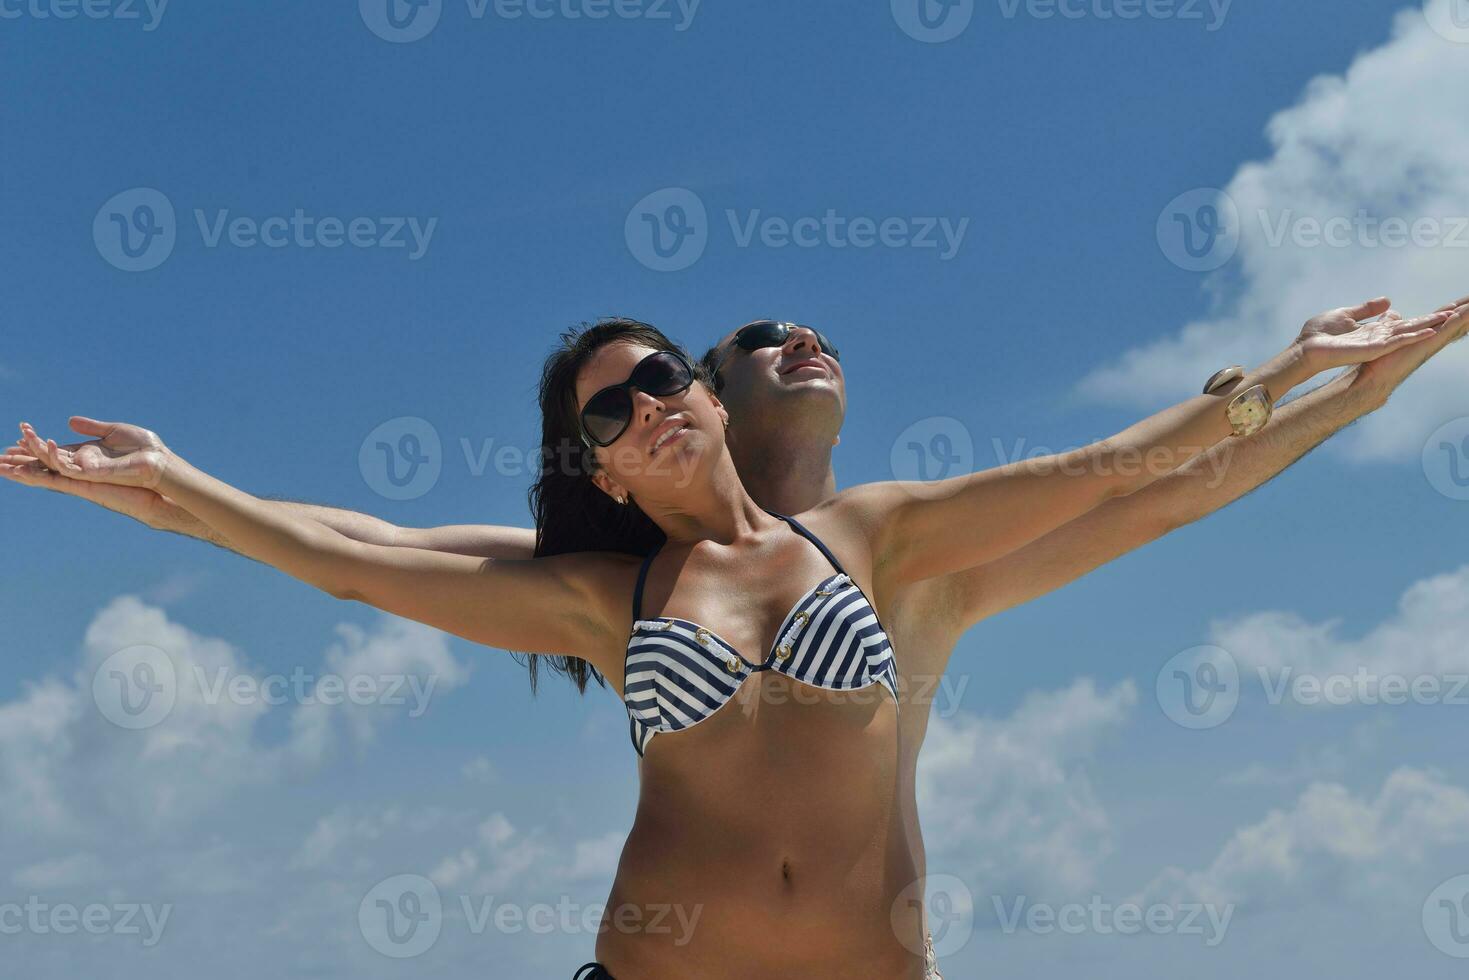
pixel 710 363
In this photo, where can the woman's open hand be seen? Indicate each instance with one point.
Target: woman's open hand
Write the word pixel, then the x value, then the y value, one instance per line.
pixel 1355 335
pixel 148 507
pixel 121 455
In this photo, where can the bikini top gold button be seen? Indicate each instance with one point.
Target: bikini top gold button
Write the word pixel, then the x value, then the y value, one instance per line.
pixel 783 652
pixel 732 665
pixel 702 635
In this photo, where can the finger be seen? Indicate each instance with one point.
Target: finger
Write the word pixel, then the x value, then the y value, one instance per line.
pixel 33 444
pixel 1431 321
pixel 91 427
pixel 1450 307
pixel 1369 309
pixel 69 447
pixel 1406 339
pixel 50 453
pixel 62 460
pixel 1391 316
pixel 46 480
pixel 1458 322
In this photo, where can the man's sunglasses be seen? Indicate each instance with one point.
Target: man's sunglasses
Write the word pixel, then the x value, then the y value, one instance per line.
pixel 771 333
pixel 608 413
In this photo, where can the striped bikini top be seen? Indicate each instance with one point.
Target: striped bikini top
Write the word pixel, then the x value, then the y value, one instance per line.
pixel 678 673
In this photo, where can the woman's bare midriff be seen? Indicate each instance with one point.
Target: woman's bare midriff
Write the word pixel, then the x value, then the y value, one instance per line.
pixel 769 842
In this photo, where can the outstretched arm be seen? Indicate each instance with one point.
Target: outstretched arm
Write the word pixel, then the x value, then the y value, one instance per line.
pixel 559 604
pixel 1195 490
pixel 925 530
pixel 20 464
pixel 474 540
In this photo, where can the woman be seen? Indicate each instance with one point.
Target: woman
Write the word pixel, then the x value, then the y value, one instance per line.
pixel 758 680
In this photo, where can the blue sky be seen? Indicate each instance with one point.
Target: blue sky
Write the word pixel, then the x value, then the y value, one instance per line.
pixel 522 149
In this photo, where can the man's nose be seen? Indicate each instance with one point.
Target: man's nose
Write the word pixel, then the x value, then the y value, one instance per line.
pixel 802 339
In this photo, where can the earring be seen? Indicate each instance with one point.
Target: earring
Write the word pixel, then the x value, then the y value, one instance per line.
pixel 622 500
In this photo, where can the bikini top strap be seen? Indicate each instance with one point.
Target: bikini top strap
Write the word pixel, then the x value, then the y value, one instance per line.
pixel 801 529
pixel 637 596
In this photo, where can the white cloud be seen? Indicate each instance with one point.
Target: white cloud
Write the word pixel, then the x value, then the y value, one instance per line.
pixel 499 857
pixel 1388 137
pixel 598 857
pixel 479 770
pixel 1424 638
pixel 403 665
pixel 337 829
pixel 74 869
pixel 67 771
pixel 1007 805
pixel 1331 844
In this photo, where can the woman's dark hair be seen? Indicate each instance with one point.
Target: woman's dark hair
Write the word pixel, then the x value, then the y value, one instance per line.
pixel 571 513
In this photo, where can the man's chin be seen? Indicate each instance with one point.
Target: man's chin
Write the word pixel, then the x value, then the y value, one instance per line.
pixel 815 395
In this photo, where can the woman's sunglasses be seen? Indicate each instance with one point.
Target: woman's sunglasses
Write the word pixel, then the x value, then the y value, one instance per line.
pixel 608 413
pixel 771 333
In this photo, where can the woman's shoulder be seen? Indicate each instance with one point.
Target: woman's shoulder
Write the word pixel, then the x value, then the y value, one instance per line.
pixel 855 525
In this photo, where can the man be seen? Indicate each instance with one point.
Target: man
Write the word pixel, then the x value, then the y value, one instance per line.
pixel 786 407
